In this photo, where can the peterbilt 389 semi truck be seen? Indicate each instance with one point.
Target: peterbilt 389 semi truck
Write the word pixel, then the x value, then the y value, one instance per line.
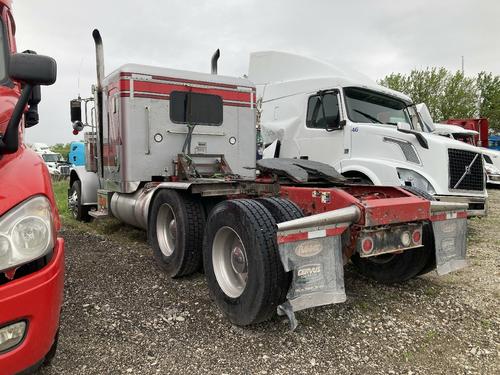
pixel 315 110
pixel 31 253
pixel 174 153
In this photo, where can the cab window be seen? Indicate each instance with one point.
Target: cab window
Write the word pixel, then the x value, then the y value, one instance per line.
pixel 322 111
pixel 195 108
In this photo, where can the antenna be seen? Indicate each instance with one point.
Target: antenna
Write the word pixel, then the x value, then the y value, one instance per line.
pixel 79 74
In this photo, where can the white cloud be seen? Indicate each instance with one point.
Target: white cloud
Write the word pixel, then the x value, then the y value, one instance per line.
pixel 374 37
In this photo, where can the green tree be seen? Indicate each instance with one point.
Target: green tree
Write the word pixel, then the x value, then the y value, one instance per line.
pixel 459 97
pixel 62 149
pixel 489 98
pixel 423 86
pixel 447 94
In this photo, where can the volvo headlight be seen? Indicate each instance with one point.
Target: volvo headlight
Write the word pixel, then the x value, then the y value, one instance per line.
pixel 26 233
pixel 414 179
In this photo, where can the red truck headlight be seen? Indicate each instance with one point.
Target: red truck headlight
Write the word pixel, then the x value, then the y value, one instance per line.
pixel 26 233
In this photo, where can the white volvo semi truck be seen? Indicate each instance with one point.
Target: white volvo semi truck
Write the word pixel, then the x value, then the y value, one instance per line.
pixel 313 110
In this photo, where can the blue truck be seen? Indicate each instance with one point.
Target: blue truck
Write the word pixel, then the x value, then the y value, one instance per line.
pixel 76 154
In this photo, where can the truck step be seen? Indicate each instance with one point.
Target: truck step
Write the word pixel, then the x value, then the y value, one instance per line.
pixel 101 214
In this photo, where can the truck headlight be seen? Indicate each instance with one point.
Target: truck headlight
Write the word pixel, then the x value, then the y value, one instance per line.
pixel 412 178
pixel 26 233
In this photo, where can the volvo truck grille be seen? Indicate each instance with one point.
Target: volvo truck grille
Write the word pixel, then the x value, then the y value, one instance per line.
pixel 466 170
pixel 64 170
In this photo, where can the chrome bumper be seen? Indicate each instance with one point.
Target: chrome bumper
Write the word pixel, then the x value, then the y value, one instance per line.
pixel 478 206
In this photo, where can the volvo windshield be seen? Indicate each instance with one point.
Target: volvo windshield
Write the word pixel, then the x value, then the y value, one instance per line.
pixel 369 106
pixel 52 158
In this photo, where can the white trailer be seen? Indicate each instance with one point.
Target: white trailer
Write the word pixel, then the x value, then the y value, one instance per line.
pixel 313 110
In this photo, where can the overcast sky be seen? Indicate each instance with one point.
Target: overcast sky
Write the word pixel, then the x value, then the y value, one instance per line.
pixel 373 37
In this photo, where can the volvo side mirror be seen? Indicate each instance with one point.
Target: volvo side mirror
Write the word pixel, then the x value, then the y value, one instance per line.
pixel 402 126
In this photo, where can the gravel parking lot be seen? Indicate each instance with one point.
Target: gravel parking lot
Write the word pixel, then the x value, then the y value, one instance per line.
pixel 122 315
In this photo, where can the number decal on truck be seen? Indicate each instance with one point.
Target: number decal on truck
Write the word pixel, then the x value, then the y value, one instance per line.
pixel 355 129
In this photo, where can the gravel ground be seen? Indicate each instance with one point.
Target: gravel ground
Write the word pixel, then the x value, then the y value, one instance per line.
pixel 122 315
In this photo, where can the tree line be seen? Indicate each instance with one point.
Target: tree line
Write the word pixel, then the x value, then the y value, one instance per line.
pixel 451 95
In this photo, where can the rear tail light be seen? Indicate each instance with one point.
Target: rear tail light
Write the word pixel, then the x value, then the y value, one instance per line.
pixel 416 237
pixel 367 245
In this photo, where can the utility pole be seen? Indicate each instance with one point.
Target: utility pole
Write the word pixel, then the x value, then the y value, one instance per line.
pixel 462 65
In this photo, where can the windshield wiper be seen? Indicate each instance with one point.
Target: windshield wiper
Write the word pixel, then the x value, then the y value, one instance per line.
pixel 375 120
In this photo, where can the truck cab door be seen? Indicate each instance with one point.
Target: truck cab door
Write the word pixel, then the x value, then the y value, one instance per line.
pixel 321 137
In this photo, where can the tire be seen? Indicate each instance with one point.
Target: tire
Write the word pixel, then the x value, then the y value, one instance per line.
pixel 281 209
pixel 361 178
pixel 249 287
pixel 392 268
pixel 52 351
pixel 78 211
pixel 175 231
pixel 427 234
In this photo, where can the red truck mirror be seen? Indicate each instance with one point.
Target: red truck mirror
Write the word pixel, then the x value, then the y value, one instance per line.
pixel 32 69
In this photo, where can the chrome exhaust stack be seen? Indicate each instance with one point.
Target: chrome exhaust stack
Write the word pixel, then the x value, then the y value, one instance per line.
pixel 99 58
pixel 215 58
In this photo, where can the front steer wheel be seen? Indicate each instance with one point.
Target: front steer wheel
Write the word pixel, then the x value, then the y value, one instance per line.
pixel 242 265
pixel 78 211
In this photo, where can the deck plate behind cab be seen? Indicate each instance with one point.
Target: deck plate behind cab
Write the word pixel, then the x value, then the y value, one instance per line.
pixel 299 170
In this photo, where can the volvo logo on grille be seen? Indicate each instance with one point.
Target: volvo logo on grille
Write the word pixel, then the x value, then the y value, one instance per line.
pixel 468 170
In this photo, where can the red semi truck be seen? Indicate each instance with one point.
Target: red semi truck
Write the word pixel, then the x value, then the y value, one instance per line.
pixel 173 152
pixel 480 125
pixel 31 254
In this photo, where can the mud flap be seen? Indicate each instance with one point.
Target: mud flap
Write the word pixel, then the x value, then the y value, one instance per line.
pixel 450 239
pixel 318 270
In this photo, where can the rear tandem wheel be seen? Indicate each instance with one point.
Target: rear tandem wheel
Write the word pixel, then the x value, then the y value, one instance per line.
pixel 175 232
pixel 240 252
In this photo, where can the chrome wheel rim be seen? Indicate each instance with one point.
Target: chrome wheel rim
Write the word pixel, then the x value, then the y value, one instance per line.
pixel 229 259
pixel 166 229
pixel 73 204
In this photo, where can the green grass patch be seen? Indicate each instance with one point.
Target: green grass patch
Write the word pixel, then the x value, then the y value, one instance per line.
pixel 110 226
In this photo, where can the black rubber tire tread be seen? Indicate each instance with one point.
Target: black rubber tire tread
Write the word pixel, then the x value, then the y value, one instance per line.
pixel 400 268
pixel 82 212
pixel 362 179
pixel 267 281
pixel 427 234
pixel 282 210
pixel 52 351
pixel 190 218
